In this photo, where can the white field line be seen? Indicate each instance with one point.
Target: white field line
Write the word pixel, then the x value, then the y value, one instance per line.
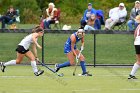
pixel 84 90
pixel 25 91
pixel 137 81
pixel 131 89
pixel 19 76
pixel 110 75
pixel 97 75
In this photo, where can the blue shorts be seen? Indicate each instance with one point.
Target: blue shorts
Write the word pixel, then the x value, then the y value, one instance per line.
pixel 67 48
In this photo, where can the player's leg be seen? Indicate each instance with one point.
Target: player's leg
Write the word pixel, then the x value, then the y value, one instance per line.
pixel 12 62
pixel 71 58
pixel 137 64
pixel 135 68
pixel 30 55
pixel 83 64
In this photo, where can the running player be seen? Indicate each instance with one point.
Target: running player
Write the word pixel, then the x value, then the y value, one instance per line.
pixel 23 50
pixel 71 51
pixel 137 49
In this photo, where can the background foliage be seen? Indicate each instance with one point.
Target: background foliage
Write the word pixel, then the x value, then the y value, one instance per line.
pixel 71 10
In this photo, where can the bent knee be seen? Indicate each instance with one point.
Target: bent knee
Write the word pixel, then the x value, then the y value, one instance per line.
pixel 82 58
pixel 18 61
pixel 72 63
pixel 138 62
pixel 32 59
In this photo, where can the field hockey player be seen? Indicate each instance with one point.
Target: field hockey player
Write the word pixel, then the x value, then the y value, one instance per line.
pixel 23 50
pixel 72 52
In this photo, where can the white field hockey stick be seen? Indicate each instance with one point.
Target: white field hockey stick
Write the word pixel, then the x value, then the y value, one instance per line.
pixel 77 60
pixel 52 70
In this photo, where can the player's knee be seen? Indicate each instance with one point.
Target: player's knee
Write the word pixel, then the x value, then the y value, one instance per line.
pixel 138 62
pixel 32 59
pixel 82 58
pixel 18 61
pixel 72 63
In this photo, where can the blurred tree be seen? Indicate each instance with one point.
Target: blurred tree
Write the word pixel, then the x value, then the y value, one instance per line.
pixel 71 10
pixel 28 9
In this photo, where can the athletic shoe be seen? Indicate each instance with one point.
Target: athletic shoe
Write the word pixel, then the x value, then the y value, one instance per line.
pixel 132 77
pixel 85 74
pixel 56 68
pixel 40 72
pixel 2 66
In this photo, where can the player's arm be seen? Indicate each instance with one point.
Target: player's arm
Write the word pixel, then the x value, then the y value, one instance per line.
pixel 73 40
pixel 82 41
pixel 34 38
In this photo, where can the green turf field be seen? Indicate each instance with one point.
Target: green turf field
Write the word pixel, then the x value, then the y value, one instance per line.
pixel 110 48
pixel 20 79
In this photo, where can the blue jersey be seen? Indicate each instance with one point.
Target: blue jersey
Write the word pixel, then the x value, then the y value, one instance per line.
pixel 88 13
pixel 67 47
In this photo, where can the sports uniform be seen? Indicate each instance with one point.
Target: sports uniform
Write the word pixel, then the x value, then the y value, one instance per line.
pixel 23 48
pixel 137 49
pixel 79 35
pixel 24 45
pixel 67 47
pixel 137 40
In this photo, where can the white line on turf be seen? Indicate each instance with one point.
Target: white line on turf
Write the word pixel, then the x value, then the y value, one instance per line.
pixel 83 90
pixel 17 76
pixel 137 81
pixel 136 89
pixel 25 91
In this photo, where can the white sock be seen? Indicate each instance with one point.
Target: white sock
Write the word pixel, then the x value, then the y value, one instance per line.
pixel 12 62
pixel 134 69
pixel 34 66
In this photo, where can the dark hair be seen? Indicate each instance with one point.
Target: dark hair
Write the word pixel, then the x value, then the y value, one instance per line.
pixel 37 29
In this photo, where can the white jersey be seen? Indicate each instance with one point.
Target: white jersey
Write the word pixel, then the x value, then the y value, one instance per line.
pixel 26 41
pixel 137 36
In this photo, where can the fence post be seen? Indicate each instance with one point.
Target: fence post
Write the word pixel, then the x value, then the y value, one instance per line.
pixel 43 48
pixel 94 49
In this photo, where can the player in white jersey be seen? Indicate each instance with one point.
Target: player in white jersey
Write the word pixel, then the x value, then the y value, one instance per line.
pixel 23 50
pixel 137 49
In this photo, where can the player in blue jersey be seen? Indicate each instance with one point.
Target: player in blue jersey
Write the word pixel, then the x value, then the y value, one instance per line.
pixel 72 52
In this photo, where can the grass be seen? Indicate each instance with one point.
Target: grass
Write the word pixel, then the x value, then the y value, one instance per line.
pixel 110 48
pixel 20 79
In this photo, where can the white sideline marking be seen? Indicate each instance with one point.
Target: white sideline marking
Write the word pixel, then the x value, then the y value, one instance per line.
pixel 110 75
pixel 131 89
pixel 83 90
pixel 137 81
pixel 17 76
pixel 26 91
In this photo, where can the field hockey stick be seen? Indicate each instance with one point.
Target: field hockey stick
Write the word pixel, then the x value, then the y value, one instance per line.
pixel 52 70
pixel 77 60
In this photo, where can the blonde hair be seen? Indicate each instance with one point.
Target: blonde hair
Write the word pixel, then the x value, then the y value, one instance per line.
pixel 137 19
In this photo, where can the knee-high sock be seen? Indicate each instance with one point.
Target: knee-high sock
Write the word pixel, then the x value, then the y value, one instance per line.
pixel 12 62
pixel 134 69
pixel 34 66
pixel 82 63
pixel 65 64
